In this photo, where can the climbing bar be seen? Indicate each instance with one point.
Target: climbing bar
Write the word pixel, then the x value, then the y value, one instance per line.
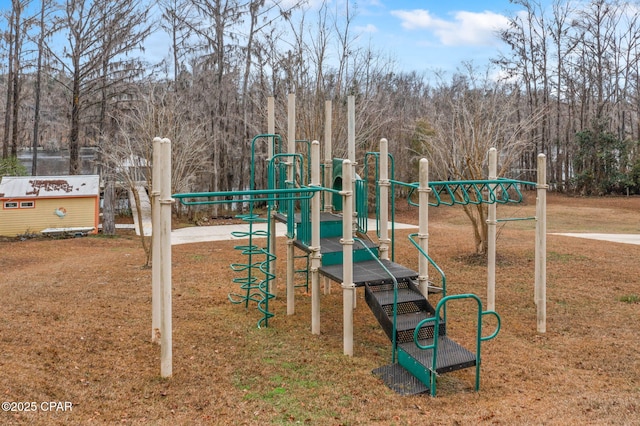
pixel 256 284
pixel 449 193
pixel 513 219
pixel 265 288
pixel 249 284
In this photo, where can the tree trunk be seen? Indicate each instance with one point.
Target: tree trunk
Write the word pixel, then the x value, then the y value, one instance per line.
pixel 15 104
pixel 146 241
pixel 108 214
pixel 74 135
pixel 7 115
pixel 38 90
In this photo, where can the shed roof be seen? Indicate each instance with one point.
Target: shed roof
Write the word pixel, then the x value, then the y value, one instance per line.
pixel 49 186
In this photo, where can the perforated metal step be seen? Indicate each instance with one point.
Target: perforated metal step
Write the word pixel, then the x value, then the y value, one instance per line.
pixel 451 355
pixel 400 380
pixel 412 308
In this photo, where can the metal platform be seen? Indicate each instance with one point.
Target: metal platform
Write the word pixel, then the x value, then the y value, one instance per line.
pixel 370 271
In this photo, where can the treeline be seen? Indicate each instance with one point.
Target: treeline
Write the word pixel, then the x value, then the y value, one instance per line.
pixel 577 62
pixel 75 75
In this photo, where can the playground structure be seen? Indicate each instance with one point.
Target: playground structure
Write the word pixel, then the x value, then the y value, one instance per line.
pixel 328 222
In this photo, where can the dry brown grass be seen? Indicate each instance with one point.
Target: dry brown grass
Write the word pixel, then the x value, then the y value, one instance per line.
pixel 75 326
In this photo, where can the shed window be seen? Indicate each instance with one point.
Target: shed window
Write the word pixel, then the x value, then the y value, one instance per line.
pixel 27 204
pixel 10 204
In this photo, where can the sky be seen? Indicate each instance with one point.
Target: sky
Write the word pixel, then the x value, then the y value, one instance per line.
pixel 420 35
pixel 435 34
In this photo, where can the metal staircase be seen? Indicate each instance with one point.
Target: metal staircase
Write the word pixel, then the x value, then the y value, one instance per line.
pixel 420 345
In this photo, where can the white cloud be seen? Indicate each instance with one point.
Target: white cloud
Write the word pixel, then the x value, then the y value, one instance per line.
pixel 369 28
pixel 466 28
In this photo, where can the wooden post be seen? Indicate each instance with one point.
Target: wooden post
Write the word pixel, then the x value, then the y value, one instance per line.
pixel 383 183
pixel 351 128
pixel 423 227
pixel 328 162
pixel 271 130
pixel 166 343
pixel 271 122
pixel 492 223
pixel 351 142
pixel 315 239
pixel 328 170
pixel 348 288
pixel 541 245
pixel 156 278
pixel 291 149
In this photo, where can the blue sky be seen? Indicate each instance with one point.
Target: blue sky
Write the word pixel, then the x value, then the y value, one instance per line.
pixel 435 34
pixel 420 35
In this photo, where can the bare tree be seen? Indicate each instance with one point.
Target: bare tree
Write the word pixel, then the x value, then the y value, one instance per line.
pixel 471 115
pixel 584 76
pixel 177 21
pixel 9 93
pixel 18 38
pixel 18 28
pixel 45 8
pixel 159 111
pixel 560 29
pixel 100 35
pixel 528 38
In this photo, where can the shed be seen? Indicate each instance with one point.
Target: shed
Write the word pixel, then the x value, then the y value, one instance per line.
pixel 49 204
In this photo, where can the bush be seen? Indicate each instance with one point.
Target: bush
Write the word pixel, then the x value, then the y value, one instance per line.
pixel 12 167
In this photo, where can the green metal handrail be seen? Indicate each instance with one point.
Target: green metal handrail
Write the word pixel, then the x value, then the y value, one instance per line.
pixel 275 139
pixel 434 346
pixel 432 262
pixel 394 342
pixel 308 191
pixel 361 197
pixel 284 183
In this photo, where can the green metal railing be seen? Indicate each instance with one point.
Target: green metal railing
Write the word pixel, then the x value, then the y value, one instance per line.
pixel 443 277
pixel 283 171
pixel 434 346
pixel 276 142
pixel 362 203
pixel 394 339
